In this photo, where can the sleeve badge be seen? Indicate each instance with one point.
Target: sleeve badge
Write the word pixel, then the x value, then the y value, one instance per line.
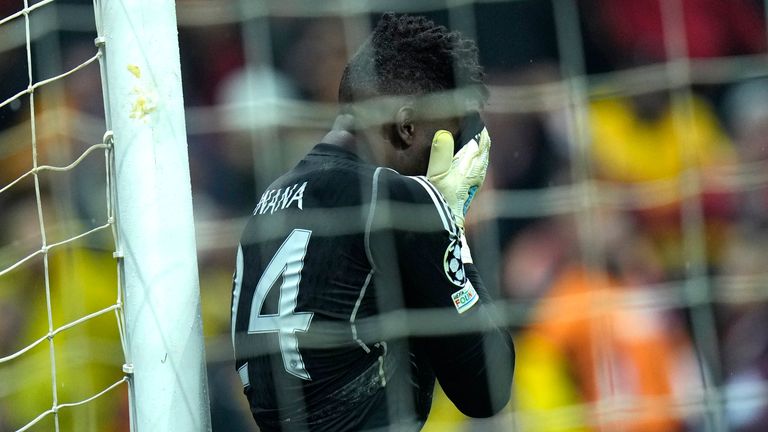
pixel 454 268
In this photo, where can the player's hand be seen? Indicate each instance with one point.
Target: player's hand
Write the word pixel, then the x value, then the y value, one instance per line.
pixel 458 176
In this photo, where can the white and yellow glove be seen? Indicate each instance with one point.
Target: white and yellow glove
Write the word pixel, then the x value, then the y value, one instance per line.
pixel 459 176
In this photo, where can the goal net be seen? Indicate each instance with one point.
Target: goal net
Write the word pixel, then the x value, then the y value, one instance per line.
pixel 62 325
pixel 626 186
pixel 621 230
pixel 89 339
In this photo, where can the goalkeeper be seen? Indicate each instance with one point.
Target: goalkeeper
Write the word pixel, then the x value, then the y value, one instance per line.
pixel 355 289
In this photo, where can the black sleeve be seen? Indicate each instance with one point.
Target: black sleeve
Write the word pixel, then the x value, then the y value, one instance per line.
pixel 496 363
pixel 474 363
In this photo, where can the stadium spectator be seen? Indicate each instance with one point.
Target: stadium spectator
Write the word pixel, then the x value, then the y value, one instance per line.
pixel 744 351
pixel 634 29
pixel 587 326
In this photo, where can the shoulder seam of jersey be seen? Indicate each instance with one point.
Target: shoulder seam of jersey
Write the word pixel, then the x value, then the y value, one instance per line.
pixel 437 200
pixel 371 212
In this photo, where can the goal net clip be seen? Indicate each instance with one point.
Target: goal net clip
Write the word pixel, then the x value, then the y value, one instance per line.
pixel 128 368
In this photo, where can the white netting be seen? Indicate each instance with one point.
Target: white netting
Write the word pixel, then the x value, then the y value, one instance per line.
pixel 256 103
pixel 586 205
pixel 68 242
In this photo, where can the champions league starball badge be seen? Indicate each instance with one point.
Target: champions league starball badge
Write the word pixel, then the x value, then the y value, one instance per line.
pixel 454 268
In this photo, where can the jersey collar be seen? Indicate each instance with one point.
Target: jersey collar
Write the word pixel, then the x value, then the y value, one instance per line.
pixel 332 150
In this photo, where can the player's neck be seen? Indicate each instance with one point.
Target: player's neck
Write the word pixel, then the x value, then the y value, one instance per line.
pixel 341 135
pixel 341 138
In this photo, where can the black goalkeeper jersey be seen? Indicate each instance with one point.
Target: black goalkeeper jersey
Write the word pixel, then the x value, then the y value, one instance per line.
pixel 350 297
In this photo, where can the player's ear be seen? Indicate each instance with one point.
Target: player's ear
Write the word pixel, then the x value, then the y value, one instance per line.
pixel 404 128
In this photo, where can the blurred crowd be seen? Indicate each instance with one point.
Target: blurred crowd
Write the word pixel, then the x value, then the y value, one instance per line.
pixel 637 305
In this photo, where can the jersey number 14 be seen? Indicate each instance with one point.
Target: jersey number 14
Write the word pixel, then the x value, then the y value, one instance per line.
pixel 288 261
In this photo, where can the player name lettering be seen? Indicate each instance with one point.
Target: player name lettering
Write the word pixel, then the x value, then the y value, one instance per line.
pixel 280 199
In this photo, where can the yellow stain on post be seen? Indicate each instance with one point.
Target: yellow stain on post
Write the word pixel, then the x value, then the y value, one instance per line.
pixel 144 101
pixel 135 70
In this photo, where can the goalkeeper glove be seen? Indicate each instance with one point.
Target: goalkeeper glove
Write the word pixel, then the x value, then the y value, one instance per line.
pixel 459 172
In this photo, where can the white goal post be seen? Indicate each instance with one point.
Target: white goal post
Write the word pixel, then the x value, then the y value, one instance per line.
pixel 156 237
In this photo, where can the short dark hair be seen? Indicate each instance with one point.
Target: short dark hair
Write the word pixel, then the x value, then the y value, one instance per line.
pixel 411 55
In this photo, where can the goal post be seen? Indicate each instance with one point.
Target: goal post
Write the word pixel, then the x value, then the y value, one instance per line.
pixel 156 237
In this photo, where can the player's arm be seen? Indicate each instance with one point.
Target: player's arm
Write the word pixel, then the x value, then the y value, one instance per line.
pixel 473 367
pixel 457 170
pixel 474 359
